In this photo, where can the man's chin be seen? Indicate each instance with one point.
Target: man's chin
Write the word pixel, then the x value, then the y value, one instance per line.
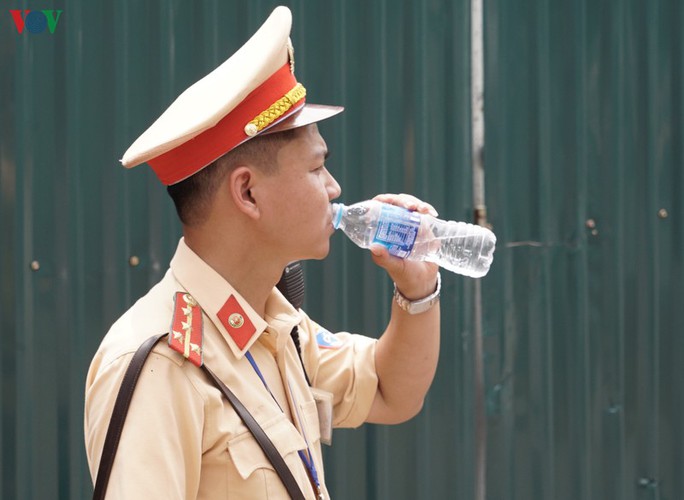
pixel 322 253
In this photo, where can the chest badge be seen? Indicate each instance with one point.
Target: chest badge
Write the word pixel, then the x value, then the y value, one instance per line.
pixel 327 340
pixel 186 328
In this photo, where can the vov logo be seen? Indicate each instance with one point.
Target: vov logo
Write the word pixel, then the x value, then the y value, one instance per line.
pixel 36 21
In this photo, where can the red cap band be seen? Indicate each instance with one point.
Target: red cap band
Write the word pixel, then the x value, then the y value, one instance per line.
pixel 193 155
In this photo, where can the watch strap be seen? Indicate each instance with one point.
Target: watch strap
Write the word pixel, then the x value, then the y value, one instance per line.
pixel 420 305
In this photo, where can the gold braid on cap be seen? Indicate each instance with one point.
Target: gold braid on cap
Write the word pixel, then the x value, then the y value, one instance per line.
pixel 276 110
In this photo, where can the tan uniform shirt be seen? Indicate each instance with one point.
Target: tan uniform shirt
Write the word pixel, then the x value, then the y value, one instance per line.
pixel 182 439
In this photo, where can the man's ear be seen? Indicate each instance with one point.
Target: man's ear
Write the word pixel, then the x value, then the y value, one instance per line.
pixel 241 181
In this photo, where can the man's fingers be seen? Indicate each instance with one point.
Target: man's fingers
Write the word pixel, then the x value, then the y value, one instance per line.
pixel 384 259
pixel 407 201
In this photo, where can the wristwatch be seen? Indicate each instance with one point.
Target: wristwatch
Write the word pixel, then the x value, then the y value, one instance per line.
pixel 420 305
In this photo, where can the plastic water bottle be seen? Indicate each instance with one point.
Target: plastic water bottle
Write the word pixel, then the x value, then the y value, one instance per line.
pixel 460 247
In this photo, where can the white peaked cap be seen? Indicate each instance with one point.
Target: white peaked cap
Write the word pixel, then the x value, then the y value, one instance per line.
pixel 252 93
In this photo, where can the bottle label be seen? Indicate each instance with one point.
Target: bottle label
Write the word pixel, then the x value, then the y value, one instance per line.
pixel 397 230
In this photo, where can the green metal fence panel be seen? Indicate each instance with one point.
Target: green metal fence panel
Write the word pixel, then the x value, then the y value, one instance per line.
pixel 583 317
pixel 585 167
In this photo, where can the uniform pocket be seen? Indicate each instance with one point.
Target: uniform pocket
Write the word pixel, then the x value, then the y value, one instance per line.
pixel 248 456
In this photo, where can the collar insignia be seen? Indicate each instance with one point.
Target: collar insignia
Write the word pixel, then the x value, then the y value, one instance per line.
pixel 236 322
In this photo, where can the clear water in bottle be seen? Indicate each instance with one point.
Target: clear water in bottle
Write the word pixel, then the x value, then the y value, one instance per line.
pixel 459 247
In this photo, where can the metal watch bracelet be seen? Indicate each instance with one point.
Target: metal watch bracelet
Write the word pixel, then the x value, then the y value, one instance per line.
pixel 420 305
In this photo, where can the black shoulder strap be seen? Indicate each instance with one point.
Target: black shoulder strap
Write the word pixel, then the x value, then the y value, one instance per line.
pixel 123 401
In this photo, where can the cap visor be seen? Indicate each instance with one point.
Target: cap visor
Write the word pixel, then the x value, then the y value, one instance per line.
pixel 310 113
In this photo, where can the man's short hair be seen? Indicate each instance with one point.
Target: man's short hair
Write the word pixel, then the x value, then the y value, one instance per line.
pixel 194 195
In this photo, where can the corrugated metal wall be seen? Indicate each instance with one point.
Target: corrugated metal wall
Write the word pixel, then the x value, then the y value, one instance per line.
pixel 583 316
pixel 585 320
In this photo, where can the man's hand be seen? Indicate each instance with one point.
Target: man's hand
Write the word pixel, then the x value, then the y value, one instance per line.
pixel 414 280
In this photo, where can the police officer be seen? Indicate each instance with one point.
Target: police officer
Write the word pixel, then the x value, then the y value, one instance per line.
pixel 244 164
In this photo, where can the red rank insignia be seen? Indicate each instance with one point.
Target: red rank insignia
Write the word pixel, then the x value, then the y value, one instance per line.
pixel 186 328
pixel 236 322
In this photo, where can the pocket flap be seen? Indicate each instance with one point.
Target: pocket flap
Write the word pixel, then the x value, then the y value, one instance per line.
pixel 247 454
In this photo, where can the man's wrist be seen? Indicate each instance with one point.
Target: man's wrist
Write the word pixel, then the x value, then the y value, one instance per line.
pixel 420 305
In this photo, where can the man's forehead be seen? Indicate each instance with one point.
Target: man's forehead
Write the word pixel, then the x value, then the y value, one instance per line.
pixel 310 139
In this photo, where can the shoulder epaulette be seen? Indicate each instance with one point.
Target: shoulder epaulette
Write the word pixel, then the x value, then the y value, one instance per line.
pixel 186 328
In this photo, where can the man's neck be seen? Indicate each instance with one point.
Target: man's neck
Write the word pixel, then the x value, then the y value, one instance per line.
pixel 241 263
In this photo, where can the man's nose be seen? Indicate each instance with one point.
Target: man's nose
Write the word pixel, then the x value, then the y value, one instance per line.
pixel 334 189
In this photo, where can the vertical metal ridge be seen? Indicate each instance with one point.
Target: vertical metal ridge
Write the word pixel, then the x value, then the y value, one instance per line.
pixel 583 121
pixel 654 121
pixel 501 110
pixel 621 241
pixel 344 141
pixel 25 333
pixel 11 262
pixel 79 335
pixel 122 91
pixel 545 208
pixel 480 216
pixel 383 111
pixel 64 426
